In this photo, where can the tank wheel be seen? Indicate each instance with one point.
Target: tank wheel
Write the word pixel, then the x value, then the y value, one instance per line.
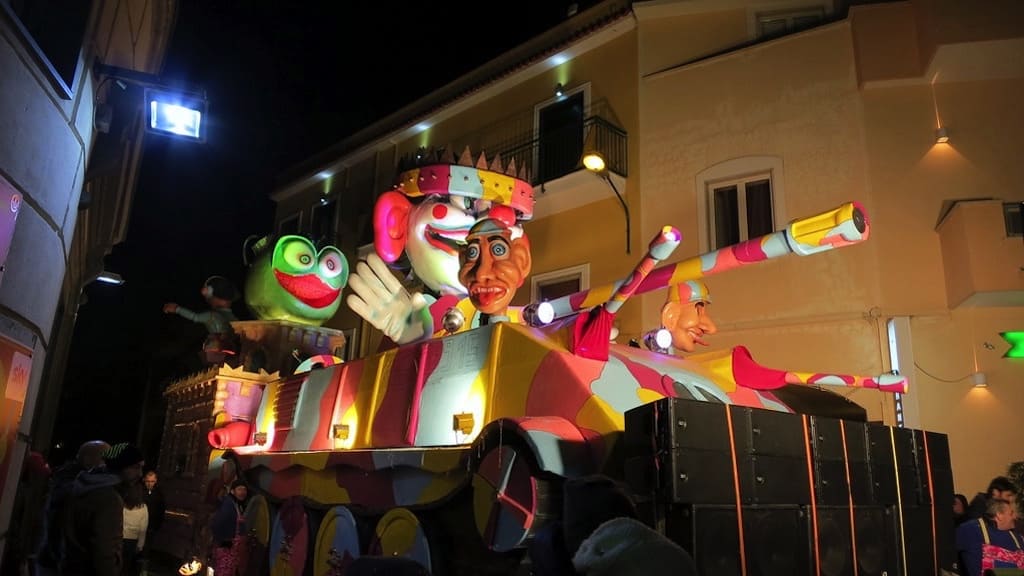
pixel 257 531
pixel 511 500
pixel 337 542
pixel 290 539
pixel 400 533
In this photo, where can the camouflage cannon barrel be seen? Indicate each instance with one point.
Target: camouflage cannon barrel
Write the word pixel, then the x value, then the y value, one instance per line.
pixel 842 226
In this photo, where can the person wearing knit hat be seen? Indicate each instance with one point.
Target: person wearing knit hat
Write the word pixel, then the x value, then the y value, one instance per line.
pixel 628 547
pixel 94 523
pixel 219 293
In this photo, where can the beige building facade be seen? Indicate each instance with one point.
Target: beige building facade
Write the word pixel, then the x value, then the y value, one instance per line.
pixel 70 146
pixel 756 113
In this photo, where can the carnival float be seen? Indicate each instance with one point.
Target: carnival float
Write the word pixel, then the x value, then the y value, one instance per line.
pixel 451 443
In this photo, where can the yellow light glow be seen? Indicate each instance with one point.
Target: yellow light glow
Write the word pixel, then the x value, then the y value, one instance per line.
pixel 473 405
pixel 350 422
pixel 593 162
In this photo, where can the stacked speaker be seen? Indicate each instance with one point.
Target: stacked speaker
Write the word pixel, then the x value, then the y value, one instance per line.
pixel 757 492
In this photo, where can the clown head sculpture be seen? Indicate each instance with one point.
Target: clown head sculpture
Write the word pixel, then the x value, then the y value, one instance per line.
pixel 296 282
pixel 449 198
pixel 494 263
pixel 685 315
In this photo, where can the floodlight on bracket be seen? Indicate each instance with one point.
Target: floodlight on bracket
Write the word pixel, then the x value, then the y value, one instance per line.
pixel 169 111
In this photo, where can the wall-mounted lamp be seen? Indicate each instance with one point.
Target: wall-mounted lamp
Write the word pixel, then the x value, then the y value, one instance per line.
pixel 110 278
pixel 169 111
pixel 593 160
pixel 979 380
pixel 941 135
pixel 559 90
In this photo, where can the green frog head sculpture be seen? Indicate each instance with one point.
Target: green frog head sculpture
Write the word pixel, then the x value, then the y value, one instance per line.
pixel 295 282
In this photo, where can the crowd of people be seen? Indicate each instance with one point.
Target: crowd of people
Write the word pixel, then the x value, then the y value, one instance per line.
pixel 99 513
pixel 988 531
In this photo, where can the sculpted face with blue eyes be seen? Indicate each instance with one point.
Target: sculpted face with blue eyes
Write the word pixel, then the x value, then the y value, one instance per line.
pixel 493 264
pixel 296 282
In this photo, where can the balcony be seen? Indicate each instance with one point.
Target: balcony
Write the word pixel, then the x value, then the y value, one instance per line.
pixel 557 153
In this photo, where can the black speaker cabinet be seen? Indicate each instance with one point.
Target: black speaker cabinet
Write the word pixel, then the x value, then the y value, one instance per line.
pixel 680 450
pixel 773 453
pixel 895 471
pixel 839 449
pixel 775 538
pixel 867 537
pixel 942 492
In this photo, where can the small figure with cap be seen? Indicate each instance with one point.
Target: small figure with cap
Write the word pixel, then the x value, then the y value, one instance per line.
pixel 685 315
pixel 219 293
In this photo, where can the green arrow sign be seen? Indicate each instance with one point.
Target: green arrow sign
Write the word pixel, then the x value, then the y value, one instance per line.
pixel 1016 340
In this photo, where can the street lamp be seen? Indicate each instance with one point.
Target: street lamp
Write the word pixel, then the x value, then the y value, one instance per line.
pixel 169 111
pixel 593 160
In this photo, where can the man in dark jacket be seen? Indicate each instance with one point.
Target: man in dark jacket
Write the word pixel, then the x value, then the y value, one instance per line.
pixel 62 482
pixel 1000 487
pixel 153 495
pixel 94 521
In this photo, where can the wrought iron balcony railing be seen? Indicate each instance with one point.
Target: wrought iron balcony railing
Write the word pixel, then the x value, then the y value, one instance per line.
pixel 559 152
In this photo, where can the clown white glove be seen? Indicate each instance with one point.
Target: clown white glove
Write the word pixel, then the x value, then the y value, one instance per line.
pixel 380 299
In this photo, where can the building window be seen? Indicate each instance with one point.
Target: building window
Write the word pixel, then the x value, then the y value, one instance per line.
pixel 290 226
pixel 559 124
pixel 738 200
pixel 53 31
pixel 780 23
pixel 562 282
pixel 322 231
pixel 1013 219
pixel 740 210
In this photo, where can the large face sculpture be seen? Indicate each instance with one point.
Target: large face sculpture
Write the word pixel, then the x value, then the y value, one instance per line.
pixel 686 315
pixel 432 208
pixel 494 261
pixel 295 282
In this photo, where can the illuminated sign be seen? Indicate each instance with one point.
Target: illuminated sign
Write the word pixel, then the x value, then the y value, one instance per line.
pixel 1016 340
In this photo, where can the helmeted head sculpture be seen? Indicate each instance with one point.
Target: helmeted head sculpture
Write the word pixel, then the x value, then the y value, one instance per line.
pixel 686 316
pixel 494 262
pixel 296 282
pixel 433 206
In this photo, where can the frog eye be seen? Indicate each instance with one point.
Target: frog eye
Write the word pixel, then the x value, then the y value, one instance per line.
pixel 299 254
pixel 332 263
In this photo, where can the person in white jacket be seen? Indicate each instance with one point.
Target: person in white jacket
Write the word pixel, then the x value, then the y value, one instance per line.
pixel 136 521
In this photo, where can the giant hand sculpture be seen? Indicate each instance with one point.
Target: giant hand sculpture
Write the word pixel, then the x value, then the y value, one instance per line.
pixel 380 299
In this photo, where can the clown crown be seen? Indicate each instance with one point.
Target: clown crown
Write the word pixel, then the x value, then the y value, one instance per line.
pixel 495 182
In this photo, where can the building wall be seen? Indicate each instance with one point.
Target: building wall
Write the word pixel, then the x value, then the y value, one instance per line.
pixel 44 142
pixel 843 112
pixel 852 118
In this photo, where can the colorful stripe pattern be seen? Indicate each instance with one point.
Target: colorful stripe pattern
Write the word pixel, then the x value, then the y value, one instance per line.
pixel 395 429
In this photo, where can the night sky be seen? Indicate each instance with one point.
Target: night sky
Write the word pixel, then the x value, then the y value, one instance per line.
pixel 284 81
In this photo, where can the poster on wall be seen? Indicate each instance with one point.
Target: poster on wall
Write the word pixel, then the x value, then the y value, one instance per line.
pixel 10 203
pixel 15 365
